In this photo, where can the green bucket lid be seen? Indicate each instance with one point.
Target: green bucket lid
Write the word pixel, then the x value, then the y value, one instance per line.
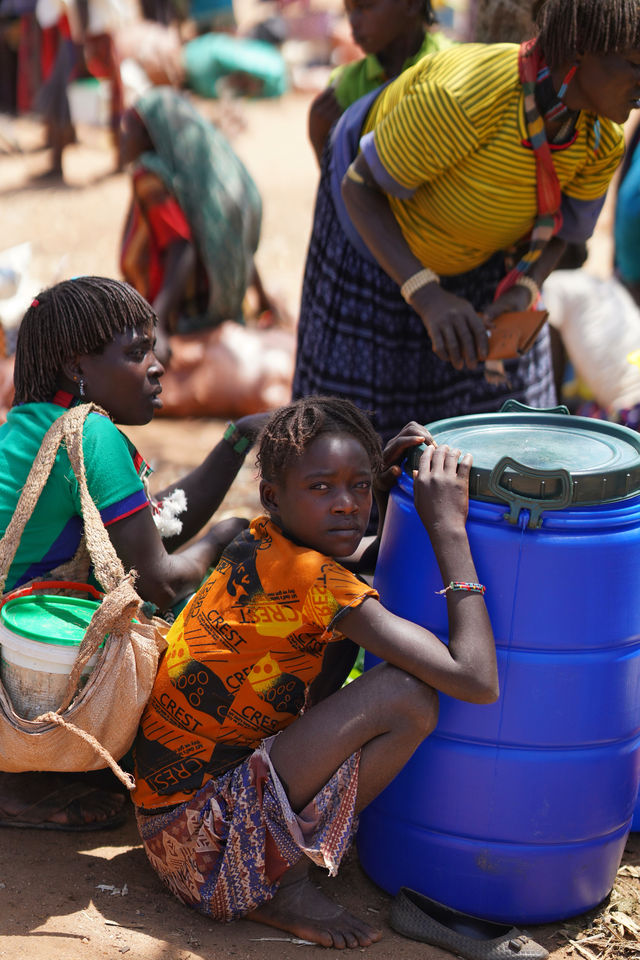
pixel 543 459
pixel 49 618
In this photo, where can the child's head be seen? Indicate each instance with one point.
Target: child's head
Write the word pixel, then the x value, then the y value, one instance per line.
pixel 376 24
pixel 71 319
pixel 317 460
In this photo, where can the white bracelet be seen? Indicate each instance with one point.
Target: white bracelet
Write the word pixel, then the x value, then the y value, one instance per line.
pixel 531 285
pixel 418 280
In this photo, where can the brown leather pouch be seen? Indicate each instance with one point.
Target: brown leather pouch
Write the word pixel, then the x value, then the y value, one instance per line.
pixel 512 334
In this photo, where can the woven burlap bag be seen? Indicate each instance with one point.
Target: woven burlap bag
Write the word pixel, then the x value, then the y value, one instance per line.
pixel 96 727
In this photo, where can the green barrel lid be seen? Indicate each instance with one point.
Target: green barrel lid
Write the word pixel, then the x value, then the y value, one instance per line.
pixel 49 618
pixel 543 459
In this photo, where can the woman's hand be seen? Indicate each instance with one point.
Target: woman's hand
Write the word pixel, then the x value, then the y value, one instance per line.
pixel 251 424
pixel 441 491
pixel 516 298
pixel 457 332
pixel 222 533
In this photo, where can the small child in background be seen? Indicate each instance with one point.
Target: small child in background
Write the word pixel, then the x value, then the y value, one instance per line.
pixel 394 35
pixel 252 760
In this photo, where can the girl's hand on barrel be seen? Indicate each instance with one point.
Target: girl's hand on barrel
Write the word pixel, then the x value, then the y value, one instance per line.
pixel 394 452
pixel 441 490
pixel 457 332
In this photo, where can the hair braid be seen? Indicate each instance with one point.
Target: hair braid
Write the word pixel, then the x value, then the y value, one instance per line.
pixel 72 318
pixel 291 429
pixel 568 28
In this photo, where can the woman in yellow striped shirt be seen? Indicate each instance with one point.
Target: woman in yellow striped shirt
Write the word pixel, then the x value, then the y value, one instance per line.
pixel 474 168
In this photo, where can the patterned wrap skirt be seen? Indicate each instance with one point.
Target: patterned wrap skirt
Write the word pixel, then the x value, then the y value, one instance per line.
pixel 357 338
pixel 224 851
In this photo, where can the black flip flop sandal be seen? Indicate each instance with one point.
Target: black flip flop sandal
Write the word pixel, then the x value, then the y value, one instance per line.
pixel 416 916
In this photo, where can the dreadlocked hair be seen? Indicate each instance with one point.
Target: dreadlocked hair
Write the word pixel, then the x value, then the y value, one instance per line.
pixel 72 318
pixel 291 429
pixel 568 28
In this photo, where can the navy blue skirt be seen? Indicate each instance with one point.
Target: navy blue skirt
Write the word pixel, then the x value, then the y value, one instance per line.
pixel 357 338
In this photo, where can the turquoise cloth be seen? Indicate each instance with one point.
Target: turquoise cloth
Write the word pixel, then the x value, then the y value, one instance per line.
pixel 203 11
pixel 627 223
pixel 213 56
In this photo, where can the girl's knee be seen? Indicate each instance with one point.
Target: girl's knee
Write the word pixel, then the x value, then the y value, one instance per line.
pixel 411 699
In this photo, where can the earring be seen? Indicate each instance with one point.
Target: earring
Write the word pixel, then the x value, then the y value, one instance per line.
pixel 81 387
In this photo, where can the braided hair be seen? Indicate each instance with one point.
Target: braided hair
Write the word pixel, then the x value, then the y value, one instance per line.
pixel 568 28
pixel 291 429
pixel 72 318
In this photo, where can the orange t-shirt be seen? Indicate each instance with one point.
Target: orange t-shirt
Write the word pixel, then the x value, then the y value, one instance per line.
pixel 240 659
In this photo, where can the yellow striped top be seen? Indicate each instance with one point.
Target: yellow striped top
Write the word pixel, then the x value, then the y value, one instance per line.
pixel 448 143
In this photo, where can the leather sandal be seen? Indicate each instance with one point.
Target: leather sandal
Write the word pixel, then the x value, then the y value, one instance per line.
pixel 61 794
pixel 416 916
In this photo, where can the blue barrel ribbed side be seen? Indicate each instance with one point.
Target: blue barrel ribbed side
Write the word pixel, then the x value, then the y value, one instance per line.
pixel 519 811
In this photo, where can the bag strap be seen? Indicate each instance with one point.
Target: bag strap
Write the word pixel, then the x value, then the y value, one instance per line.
pixel 124 777
pixel 113 617
pixel 68 427
pixel 106 562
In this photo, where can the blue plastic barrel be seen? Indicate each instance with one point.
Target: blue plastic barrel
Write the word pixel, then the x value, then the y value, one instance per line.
pixel 519 811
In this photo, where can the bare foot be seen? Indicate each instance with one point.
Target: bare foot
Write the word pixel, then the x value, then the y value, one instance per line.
pixel 300 908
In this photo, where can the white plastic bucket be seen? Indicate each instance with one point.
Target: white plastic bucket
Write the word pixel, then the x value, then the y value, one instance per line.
pixel 35 668
pixel 89 101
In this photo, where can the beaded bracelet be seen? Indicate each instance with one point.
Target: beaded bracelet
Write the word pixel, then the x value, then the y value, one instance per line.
pixel 238 441
pixel 529 284
pixel 416 281
pixel 464 585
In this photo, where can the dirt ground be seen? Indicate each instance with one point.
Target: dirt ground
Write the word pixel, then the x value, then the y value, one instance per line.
pixel 72 897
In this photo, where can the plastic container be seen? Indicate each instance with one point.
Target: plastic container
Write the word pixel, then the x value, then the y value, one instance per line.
pixel 39 641
pixel 519 811
pixel 89 101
